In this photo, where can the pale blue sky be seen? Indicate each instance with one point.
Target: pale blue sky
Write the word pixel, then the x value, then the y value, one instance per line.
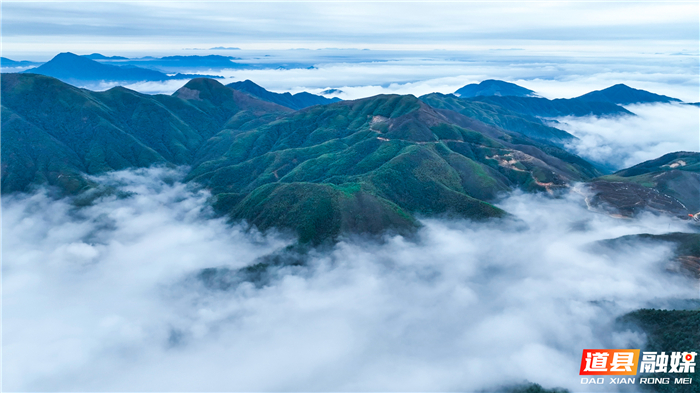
pixel 38 30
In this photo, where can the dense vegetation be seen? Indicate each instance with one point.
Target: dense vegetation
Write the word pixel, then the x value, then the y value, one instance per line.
pixel 363 166
pixel 675 174
pixel 669 331
pixel 498 116
pixel 372 164
pixel 543 107
pixel 55 133
pixel 294 101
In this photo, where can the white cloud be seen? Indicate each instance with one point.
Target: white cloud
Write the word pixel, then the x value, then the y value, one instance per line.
pixel 621 142
pixel 105 298
pixel 282 25
pixel 359 76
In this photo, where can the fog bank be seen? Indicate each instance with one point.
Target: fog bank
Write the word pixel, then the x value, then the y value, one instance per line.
pixel 106 297
pixel 621 142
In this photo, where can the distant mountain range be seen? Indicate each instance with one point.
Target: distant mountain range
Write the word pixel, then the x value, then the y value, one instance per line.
pixel 5 62
pixel 543 107
pixel 98 56
pixel 492 90
pixel 492 87
pixel 75 69
pixel 96 67
pixel 296 101
pixel 168 63
pixel 518 99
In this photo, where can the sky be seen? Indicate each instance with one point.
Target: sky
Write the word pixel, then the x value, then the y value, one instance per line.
pixel 34 29
pixel 559 49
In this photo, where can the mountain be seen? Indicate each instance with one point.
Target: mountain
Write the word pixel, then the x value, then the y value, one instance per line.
pixel 55 133
pixel 296 101
pixel 686 246
pixel 374 164
pixel 98 56
pixel 666 331
pixel 492 87
pixel 332 92
pixel 8 63
pixel 669 184
pixel 498 116
pixel 623 95
pixel 177 63
pixel 72 68
pixel 543 107
pixel 363 166
pixel 521 114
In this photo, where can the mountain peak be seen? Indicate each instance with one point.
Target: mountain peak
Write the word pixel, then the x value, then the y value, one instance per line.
pixel 203 83
pixel 69 58
pixel 65 55
pixel 72 68
pixel 622 94
pixel 213 92
pixel 100 56
pixel 203 89
pixel 493 87
pixel 296 101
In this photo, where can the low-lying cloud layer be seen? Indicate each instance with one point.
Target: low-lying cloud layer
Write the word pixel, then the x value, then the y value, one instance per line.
pixel 621 142
pixel 362 74
pixel 106 297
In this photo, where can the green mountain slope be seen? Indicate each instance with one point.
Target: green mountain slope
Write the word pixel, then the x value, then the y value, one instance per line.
pixel 363 166
pixel 388 158
pixel 31 156
pixel 670 183
pixel 296 101
pixel 542 107
pixel 53 131
pixel 668 331
pixel 498 116
pixel 686 258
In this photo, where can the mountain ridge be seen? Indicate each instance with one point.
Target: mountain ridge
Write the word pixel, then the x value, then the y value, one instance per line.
pixel 493 87
pixel 115 129
pixel 622 94
pixel 394 152
pixel 294 101
pixel 669 184
pixel 75 69
pixel 360 166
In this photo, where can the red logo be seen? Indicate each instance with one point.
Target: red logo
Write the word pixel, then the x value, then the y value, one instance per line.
pixel 609 362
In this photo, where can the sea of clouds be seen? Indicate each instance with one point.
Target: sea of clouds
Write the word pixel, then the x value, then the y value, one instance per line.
pixel 359 74
pixel 107 297
pixel 624 141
